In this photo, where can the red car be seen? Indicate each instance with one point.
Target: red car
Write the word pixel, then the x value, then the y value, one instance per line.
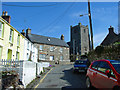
pixel 104 74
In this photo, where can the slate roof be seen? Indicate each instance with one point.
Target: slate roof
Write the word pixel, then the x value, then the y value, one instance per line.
pixel 110 38
pixel 47 40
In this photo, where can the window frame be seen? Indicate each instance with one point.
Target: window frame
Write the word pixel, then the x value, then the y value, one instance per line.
pixel 51 48
pixel 42 56
pixel 11 35
pixel 41 47
pixel 1 30
pixel 18 40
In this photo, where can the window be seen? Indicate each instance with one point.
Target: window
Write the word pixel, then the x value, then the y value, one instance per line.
pixel 28 45
pixel 27 56
pixel 11 35
pixel 18 40
pixel 51 57
pixel 61 50
pixel 61 57
pixel 95 64
pixel 42 56
pixel 84 30
pixel 51 48
pixel 0 52
pixel 41 47
pixel 31 46
pixel 17 55
pixel 103 66
pixel 1 29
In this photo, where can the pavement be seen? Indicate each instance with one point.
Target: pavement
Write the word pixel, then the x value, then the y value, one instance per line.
pixel 60 77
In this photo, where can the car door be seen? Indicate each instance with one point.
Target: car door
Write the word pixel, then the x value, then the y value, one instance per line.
pixel 92 74
pixel 102 80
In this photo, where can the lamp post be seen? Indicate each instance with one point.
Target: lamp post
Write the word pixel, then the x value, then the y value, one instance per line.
pixel 90 21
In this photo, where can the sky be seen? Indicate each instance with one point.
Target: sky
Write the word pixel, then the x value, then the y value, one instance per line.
pixel 55 18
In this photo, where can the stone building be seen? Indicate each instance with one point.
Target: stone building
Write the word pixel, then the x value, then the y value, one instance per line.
pixel 49 48
pixel 111 38
pixel 79 41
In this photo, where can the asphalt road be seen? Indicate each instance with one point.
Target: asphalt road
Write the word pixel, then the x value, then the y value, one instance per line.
pixel 62 77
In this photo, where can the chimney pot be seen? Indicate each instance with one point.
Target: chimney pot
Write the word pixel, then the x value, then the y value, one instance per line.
pixel 62 37
pixel 6 17
pixel 3 13
pixel 23 33
pixel 6 13
pixel 111 29
pixel 28 31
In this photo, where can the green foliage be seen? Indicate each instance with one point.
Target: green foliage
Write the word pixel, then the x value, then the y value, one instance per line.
pixel 99 50
pixel 106 52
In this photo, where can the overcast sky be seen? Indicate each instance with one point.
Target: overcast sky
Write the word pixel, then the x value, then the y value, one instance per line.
pixel 55 18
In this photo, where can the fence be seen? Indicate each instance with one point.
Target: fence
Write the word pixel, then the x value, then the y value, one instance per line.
pixel 27 70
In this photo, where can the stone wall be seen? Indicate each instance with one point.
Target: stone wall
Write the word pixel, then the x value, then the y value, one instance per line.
pixel 56 52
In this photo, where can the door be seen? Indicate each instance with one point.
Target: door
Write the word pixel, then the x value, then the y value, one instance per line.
pixel 9 56
pixel 102 80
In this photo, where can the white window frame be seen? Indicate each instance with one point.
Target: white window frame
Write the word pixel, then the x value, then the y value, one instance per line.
pixel 41 47
pixel 61 50
pixel 51 48
pixel 18 40
pixel 42 56
pixel 61 57
pixel 52 57
pixel 11 35
pixel 1 29
pixel 28 45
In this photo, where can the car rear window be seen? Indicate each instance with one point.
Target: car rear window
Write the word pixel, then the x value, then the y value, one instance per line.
pixel 80 62
pixel 116 65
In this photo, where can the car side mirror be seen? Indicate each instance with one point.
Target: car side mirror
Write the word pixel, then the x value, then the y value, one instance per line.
pixel 107 72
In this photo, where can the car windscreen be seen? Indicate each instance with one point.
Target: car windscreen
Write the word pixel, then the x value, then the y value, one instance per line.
pixel 80 62
pixel 116 65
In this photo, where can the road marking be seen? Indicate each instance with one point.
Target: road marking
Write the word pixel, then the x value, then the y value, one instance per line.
pixel 43 78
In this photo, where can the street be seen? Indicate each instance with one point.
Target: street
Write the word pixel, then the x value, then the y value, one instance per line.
pixel 62 76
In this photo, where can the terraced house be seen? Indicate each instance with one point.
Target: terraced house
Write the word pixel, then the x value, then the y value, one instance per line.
pixel 11 41
pixel 13 44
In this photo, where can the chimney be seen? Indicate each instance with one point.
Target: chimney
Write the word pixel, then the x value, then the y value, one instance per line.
pixel 62 37
pixel 6 16
pixel 111 29
pixel 23 32
pixel 28 31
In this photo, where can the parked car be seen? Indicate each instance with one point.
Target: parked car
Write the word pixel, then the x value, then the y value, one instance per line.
pixel 81 65
pixel 104 74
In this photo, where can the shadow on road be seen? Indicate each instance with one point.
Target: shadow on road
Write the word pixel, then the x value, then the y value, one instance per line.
pixel 76 80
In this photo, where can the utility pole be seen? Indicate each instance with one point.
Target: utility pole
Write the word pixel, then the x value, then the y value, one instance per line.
pixel 90 20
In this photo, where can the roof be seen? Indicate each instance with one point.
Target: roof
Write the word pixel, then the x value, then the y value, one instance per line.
pixel 109 39
pixel 47 40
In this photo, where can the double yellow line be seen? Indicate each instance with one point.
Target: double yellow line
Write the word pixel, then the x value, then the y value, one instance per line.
pixel 43 78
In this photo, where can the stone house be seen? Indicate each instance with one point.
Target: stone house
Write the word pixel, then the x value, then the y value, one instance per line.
pixel 111 37
pixel 49 48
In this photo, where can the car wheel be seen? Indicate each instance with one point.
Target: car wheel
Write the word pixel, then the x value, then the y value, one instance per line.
pixel 88 83
pixel 116 88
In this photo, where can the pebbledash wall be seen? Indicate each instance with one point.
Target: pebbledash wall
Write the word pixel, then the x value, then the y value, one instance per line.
pixel 11 42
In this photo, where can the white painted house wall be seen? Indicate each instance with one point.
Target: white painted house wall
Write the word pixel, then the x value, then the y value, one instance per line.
pixel 30 47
